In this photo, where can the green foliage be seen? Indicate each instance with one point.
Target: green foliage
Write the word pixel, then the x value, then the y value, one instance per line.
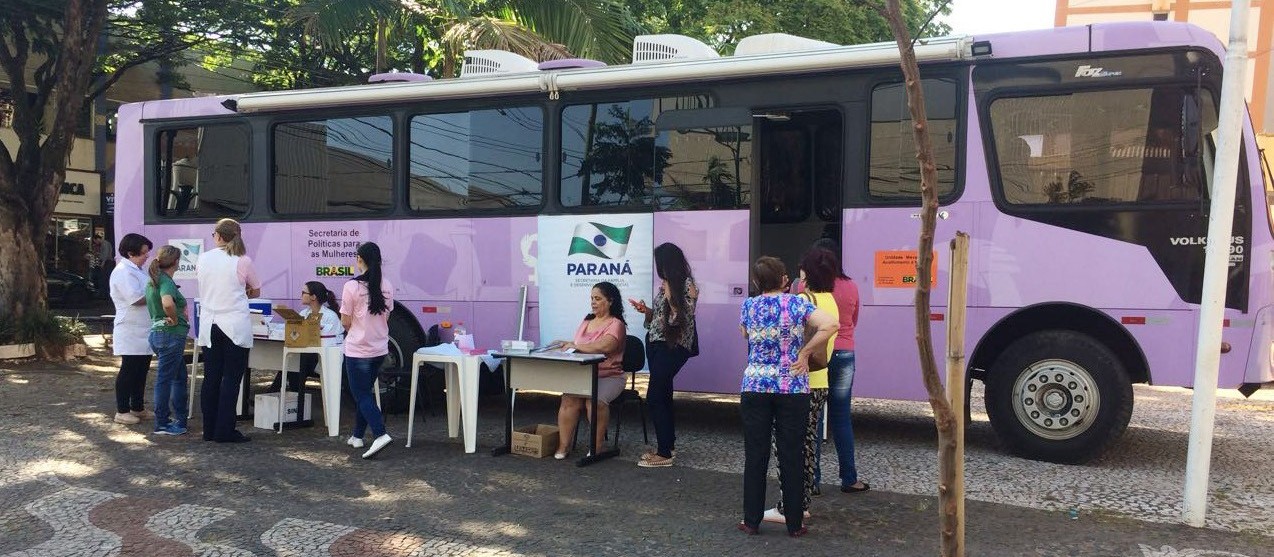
pixel 50 333
pixel 721 23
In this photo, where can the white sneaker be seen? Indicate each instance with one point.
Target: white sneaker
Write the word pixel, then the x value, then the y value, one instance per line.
pixel 354 442
pixel 127 418
pixel 773 515
pixel 380 443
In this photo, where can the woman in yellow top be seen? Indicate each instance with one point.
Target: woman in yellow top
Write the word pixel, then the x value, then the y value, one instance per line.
pixel 819 269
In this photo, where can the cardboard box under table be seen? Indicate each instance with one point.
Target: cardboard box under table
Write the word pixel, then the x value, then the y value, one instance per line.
pixel 554 371
pixel 536 441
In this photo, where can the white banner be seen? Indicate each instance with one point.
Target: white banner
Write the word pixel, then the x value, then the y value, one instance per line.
pixel 578 251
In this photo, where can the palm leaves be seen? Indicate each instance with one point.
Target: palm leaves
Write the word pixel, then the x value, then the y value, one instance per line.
pixel 538 29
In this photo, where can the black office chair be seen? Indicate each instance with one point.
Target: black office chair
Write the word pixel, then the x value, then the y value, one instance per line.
pixel 433 337
pixel 634 360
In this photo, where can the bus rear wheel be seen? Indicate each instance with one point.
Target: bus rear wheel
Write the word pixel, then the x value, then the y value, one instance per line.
pixel 1058 396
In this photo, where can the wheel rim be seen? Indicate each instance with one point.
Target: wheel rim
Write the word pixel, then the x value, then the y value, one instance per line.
pixel 1056 399
pixel 392 374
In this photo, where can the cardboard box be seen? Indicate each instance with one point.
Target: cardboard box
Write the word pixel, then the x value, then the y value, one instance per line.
pixel 266 411
pixel 300 332
pixel 536 441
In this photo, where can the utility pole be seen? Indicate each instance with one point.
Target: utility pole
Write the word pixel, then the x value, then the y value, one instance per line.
pixel 1216 268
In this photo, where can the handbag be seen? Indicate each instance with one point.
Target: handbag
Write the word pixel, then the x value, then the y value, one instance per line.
pixel 818 358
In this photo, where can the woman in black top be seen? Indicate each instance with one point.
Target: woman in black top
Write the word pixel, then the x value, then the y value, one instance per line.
pixel 671 340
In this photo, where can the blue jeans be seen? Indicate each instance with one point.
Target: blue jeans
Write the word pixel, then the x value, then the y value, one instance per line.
pixel 170 378
pixel 840 379
pixel 362 373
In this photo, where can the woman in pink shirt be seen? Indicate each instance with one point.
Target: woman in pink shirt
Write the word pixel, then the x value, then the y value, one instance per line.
pixel 602 332
pixel 840 378
pixel 365 303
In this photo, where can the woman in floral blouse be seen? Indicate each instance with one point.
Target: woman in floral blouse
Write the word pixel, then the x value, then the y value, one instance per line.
pixel 775 392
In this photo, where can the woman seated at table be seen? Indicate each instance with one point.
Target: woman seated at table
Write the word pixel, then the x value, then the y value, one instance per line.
pixel 315 297
pixel 602 332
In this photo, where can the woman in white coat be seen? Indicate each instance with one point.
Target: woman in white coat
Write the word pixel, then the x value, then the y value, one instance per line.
pixel 131 330
pixel 226 281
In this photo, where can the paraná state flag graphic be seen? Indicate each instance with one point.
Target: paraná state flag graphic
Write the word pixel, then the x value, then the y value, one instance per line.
pixel 606 242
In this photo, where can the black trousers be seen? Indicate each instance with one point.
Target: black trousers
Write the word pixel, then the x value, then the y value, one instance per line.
pixel 130 383
pixel 665 361
pixel 778 419
pixel 224 367
pixel 308 363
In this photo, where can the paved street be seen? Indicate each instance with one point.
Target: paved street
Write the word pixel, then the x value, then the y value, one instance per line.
pixel 78 484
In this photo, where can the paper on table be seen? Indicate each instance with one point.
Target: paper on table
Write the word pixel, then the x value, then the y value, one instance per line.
pixel 445 349
pixel 448 349
pixel 465 342
pixel 493 363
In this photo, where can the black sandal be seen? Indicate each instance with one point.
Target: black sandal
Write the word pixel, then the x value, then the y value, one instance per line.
pixel 852 489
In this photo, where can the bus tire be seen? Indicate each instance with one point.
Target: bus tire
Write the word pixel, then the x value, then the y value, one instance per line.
pixel 395 373
pixel 1058 396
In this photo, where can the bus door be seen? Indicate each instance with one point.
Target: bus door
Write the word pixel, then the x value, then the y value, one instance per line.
pixel 800 160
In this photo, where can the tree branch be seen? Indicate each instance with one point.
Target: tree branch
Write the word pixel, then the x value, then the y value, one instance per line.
pixel 105 83
pixel 7 171
pixel 921 31
pixel 14 62
pixel 81 29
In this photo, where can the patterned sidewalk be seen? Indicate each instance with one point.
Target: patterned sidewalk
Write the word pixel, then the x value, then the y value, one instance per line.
pixel 76 484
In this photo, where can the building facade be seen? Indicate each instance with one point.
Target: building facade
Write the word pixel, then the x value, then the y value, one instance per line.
pixel 86 203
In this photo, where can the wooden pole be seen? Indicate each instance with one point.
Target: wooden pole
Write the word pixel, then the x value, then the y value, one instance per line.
pixel 957 301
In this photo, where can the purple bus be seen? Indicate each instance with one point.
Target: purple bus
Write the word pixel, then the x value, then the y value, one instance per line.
pixel 1077 158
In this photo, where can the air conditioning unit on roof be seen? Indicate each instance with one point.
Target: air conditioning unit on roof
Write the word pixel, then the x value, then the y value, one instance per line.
pixel 491 62
pixel 670 48
pixel 778 42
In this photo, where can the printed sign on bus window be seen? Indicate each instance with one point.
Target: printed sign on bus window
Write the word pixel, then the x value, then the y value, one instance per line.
pixel 190 250
pixel 897 269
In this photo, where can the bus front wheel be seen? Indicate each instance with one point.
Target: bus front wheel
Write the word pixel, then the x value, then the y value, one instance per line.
pixel 1058 396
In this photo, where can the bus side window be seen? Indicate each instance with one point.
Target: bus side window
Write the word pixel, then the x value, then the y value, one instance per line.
pixel 482 159
pixel 610 151
pixel 1102 147
pixel 894 172
pixel 202 172
pixel 707 168
pixel 342 165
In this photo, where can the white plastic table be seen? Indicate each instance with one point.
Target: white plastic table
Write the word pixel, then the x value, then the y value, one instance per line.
pixel 330 360
pixel 461 373
pixel 272 355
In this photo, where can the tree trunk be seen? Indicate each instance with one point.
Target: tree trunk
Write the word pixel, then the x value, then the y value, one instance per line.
pixel 382 44
pixel 31 181
pixel 22 286
pixel 944 416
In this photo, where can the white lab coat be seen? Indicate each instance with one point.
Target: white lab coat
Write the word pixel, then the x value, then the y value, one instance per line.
pixel 130 335
pixel 223 299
